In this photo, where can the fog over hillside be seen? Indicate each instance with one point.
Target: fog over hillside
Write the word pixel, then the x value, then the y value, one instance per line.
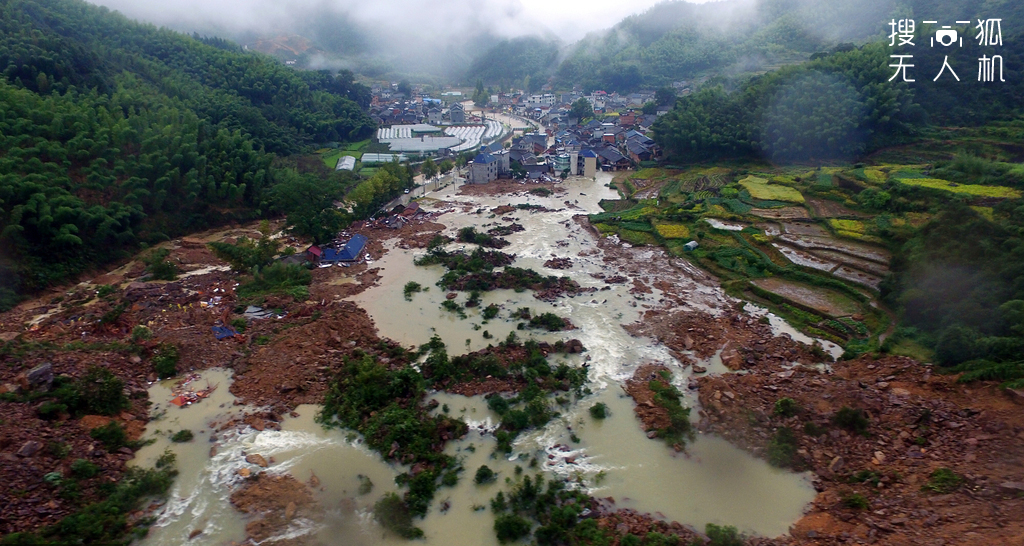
pixel 407 36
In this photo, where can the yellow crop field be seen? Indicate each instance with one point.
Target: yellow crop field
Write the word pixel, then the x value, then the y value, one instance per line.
pixel 672 231
pixel 759 188
pixel 875 175
pixel 1001 192
pixel 855 226
pixel 985 212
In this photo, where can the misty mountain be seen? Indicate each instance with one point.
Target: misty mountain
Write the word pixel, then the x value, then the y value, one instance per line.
pixel 521 62
pixel 678 40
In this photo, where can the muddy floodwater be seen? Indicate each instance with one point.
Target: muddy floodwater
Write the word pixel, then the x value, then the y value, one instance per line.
pixel 713 482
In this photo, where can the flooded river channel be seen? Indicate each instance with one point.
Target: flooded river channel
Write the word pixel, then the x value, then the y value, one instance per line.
pixel 713 482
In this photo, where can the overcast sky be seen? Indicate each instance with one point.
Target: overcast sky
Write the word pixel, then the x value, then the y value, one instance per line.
pixel 568 19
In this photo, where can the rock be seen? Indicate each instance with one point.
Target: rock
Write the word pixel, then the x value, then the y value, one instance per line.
pixel 287 387
pixel 125 451
pixel 731 356
pixel 8 387
pixel 835 465
pixel 652 434
pixel 687 342
pixel 30 448
pixel 1017 395
pixel 698 369
pixel 256 459
pixel 574 346
pixel 244 472
pixel 40 377
pixel 880 457
pixel 1012 488
pixel 289 511
pixel 195 533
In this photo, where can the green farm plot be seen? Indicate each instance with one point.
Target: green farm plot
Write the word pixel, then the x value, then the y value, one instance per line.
pixel 1001 192
pixel 759 188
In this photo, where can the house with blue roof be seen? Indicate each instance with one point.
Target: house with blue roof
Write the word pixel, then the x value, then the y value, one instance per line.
pixel 351 252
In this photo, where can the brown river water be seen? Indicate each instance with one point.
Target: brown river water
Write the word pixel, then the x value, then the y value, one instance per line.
pixel 713 482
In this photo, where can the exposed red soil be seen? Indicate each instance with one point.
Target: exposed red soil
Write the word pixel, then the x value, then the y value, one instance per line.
pixel 745 341
pixel 653 416
pixel 919 422
pixel 271 502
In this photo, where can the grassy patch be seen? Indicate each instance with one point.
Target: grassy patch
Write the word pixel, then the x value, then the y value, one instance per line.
pixel 943 481
pixel 759 188
pixel 1001 192
pixel 855 226
pixel 672 231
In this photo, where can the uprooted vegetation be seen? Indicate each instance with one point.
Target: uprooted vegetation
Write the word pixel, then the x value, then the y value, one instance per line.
pixel 384 402
pixel 475 271
pixel 658 405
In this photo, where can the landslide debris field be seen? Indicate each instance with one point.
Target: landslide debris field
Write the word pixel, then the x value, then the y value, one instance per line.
pixel 898 453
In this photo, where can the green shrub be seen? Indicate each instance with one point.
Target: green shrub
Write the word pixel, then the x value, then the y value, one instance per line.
pixel 183 435
pixel 391 512
pixel 549 321
pixel 510 527
pixel 411 288
pixel 723 535
pixel 365 485
pixel 851 419
pixel 490 311
pixel 943 480
pixel 99 392
pixel 165 360
pixel 112 435
pixel 239 324
pixel 105 290
pixel 599 410
pixel 278 278
pixel 50 410
pixel 83 469
pixel 782 448
pixel 141 333
pixel 812 429
pixel 855 501
pixel 786 407
pixel 484 475
pixel 159 266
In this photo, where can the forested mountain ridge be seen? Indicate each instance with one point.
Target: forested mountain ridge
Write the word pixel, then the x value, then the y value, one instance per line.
pixel 115 133
pixel 678 40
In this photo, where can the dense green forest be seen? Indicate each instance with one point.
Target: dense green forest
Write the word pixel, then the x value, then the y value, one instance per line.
pixel 115 134
pixel 837 106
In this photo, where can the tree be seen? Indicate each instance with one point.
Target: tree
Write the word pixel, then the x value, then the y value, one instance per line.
pixel 429 169
pixel 405 88
pixel 480 96
pixel 308 203
pixel 581 110
pixel 650 108
pixel 446 166
pixel 665 96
